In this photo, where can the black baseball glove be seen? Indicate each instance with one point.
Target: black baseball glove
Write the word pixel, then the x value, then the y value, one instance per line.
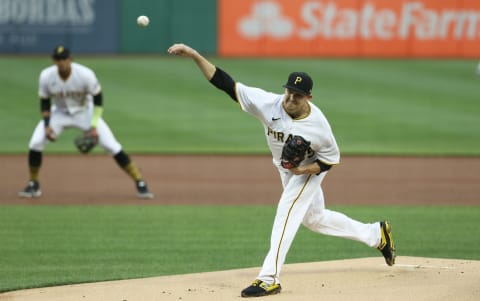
pixel 294 151
pixel 85 143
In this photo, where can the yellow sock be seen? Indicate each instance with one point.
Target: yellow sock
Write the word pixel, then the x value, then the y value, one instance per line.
pixel 34 171
pixel 133 172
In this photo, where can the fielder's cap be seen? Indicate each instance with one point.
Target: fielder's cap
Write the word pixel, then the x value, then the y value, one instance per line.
pixel 60 53
pixel 299 82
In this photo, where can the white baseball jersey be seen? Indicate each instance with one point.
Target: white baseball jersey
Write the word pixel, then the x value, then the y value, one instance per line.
pixel 73 94
pixel 267 107
pixel 302 200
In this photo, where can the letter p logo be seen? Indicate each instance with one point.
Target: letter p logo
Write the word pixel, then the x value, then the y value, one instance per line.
pixel 298 79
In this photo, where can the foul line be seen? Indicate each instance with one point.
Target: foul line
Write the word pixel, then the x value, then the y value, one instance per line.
pixel 421 266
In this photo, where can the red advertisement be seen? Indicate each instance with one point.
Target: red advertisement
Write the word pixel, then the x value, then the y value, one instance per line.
pixel 350 28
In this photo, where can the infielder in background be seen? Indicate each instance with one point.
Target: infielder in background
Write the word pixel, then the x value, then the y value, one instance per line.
pixel 78 103
pixel 284 116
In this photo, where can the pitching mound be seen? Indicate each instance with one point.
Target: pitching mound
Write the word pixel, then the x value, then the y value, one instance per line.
pixel 412 278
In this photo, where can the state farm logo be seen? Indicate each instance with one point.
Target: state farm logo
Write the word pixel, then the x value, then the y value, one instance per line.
pixel 266 19
pixel 327 20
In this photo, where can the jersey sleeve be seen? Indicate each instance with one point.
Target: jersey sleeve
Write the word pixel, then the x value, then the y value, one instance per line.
pixel 92 85
pixel 43 85
pixel 318 130
pixel 325 145
pixel 328 151
pixel 254 100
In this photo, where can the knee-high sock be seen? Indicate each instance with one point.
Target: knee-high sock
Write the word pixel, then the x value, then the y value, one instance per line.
pixel 123 160
pixel 34 164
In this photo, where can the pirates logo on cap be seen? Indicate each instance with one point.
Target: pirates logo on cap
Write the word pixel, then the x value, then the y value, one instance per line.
pixel 60 53
pixel 299 82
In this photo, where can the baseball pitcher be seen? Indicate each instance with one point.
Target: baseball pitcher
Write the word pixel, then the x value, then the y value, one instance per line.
pixel 304 149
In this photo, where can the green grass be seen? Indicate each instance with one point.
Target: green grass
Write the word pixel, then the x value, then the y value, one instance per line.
pixel 160 104
pixel 52 245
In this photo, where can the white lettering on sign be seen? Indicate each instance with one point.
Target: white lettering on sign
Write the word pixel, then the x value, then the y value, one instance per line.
pixel 429 24
pixel 325 19
pixel 47 12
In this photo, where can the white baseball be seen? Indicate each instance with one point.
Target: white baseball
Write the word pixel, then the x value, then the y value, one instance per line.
pixel 143 21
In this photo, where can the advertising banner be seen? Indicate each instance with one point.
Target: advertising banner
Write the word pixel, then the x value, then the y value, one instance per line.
pixel 350 28
pixel 36 26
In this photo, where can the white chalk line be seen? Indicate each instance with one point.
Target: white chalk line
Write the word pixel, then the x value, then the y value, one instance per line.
pixel 421 266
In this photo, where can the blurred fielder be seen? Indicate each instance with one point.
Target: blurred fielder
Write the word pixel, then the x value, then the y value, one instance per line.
pixel 78 103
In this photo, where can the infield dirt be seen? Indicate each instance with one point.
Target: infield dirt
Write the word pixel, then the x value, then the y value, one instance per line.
pixel 227 180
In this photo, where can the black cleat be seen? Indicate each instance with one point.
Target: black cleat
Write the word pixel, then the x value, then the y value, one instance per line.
pixel 31 191
pixel 387 246
pixel 142 190
pixel 260 288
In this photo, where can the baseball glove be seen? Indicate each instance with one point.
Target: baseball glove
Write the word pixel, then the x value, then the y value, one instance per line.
pixel 294 151
pixel 85 143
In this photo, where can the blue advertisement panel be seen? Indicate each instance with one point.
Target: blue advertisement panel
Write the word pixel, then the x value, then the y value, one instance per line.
pixel 36 26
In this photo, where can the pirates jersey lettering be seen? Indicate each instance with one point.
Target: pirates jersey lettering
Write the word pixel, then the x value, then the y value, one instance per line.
pixel 279 136
pixel 73 94
pixel 279 126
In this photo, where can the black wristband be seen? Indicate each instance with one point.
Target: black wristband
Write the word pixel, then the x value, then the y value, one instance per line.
pixel 323 166
pixel 45 104
pixel 45 109
pixel 46 121
pixel 98 99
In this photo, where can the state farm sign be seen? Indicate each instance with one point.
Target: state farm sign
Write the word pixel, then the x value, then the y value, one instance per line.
pixel 422 28
pixel 368 22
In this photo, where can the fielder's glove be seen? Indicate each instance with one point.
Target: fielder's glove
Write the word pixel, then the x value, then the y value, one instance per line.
pixel 294 151
pixel 86 142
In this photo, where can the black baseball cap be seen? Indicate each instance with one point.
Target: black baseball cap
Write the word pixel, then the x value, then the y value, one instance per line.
pixel 299 82
pixel 60 53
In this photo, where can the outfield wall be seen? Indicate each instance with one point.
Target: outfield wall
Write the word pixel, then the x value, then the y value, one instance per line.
pixel 36 26
pixel 189 21
pixel 106 26
pixel 278 28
